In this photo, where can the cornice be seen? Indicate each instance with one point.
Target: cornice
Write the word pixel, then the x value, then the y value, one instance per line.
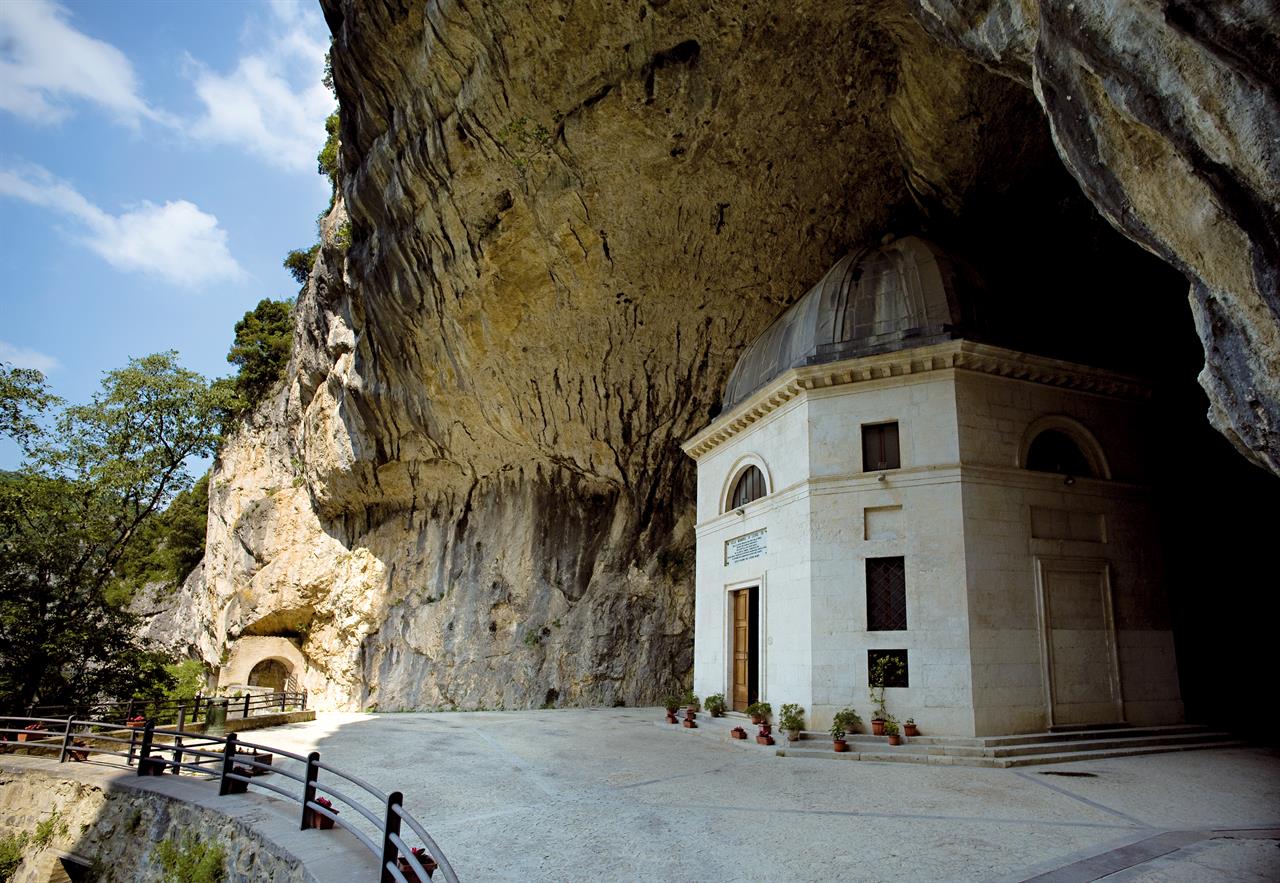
pixel 961 355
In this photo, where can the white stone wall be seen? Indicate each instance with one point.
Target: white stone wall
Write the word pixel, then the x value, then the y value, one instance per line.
pixel 960 513
pixel 1091 520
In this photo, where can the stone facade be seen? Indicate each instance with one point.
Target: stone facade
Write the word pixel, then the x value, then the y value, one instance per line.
pixel 1032 598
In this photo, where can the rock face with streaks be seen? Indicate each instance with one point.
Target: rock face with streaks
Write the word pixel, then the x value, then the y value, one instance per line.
pixel 567 220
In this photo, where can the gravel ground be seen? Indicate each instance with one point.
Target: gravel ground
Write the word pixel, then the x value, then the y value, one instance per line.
pixel 605 795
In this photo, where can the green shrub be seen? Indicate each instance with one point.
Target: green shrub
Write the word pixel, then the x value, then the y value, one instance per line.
pixel 192 862
pixel 327 158
pixel 11 848
pixel 764 709
pixel 791 717
pixel 299 263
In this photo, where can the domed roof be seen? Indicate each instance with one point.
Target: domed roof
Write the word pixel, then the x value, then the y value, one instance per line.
pixel 899 295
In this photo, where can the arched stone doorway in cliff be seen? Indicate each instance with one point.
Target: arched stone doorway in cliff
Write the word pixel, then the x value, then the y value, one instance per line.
pixel 266 662
pixel 275 674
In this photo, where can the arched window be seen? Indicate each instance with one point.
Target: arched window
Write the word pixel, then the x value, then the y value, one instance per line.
pixel 750 487
pixel 1055 451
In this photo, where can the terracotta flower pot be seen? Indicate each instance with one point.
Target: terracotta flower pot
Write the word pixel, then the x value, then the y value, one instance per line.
pixel 428 864
pixel 321 821
pixel 755 718
pixel 895 739
pixel 738 733
pixel 688 724
pixel 910 730
pixel 839 745
pixel 793 735
pixel 690 714
pixel 877 726
pixel 671 718
pixel 79 751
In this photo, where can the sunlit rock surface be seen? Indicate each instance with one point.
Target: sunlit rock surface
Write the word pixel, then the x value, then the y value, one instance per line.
pixel 567 220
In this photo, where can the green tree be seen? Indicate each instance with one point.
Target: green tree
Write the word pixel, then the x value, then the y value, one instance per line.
pixel 327 158
pixel 299 263
pixel 68 517
pixel 264 340
pixel 168 546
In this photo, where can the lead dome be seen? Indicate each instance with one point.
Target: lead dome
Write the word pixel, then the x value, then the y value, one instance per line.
pixel 905 293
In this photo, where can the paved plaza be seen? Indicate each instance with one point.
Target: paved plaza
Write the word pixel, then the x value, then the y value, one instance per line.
pixel 607 795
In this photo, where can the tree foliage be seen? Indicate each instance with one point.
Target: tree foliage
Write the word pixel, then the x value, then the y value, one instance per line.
pixel 82 500
pixel 299 263
pixel 264 340
pixel 327 158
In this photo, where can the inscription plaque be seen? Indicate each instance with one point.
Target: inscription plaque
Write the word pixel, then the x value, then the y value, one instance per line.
pixel 746 547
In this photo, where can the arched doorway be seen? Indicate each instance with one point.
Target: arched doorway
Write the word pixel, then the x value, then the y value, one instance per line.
pixel 271 673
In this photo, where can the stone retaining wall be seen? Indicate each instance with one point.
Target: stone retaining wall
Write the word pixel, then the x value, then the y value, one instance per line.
pixel 114 819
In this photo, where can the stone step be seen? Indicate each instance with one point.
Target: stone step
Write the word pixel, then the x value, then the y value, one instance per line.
pixel 1088 734
pixel 1075 756
pixel 1118 741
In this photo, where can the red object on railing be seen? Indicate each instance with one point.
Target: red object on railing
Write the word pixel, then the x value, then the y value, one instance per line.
pixel 320 820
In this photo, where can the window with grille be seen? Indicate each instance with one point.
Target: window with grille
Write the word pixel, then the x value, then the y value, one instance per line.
pixel 886 594
pixel 880 447
pixel 894 669
pixel 750 487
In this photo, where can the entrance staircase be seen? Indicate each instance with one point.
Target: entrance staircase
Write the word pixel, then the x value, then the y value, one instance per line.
pixel 1061 746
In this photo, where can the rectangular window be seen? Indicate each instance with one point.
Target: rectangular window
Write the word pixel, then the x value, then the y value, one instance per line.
pixel 894 667
pixel 886 594
pixel 880 447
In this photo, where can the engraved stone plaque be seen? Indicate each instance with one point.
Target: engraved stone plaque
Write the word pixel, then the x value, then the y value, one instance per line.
pixel 746 547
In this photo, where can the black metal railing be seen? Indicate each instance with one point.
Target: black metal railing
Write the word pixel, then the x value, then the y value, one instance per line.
pixel 179 712
pixel 235 765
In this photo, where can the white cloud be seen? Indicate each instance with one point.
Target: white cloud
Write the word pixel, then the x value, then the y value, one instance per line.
pixel 44 62
pixel 175 241
pixel 272 103
pixel 23 357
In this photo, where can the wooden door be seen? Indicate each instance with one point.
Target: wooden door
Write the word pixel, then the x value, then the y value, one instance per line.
pixel 741 649
pixel 1084 683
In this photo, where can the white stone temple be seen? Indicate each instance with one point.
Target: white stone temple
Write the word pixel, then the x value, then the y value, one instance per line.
pixel 881 482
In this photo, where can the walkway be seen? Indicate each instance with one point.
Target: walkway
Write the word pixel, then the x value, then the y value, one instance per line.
pixel 605 795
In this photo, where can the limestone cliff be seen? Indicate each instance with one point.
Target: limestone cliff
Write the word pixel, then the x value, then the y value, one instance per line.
pixel 566 221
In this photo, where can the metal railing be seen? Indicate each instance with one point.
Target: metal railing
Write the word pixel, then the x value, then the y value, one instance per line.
pixel 235 765
pixel 179 712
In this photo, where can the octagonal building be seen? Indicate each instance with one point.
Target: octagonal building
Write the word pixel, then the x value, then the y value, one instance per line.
pixel 883 483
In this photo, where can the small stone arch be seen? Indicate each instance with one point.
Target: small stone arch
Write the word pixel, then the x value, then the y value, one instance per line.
pixel 1073 429
pixel 745 462
pixel 248 653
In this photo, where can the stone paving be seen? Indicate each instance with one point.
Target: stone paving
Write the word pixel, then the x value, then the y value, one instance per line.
pixel 605 795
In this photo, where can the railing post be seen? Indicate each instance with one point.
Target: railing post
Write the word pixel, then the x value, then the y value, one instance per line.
pixel 246 705
pixel 283 697
pixel 133 743
pixel 144 753
pixel 195 712
pixel 129 713
pixel 228 761
pixel 392 826
pixel 304 700
pixel 66 740
pixel 309 777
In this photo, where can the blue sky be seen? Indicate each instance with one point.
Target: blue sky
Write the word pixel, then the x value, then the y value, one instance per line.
pixel 157 161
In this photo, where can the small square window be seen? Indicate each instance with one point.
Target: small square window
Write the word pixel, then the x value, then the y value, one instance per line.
pixel 886 594
pixel 894 675
pixel 880 447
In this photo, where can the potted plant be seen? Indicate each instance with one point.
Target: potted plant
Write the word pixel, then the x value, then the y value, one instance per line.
pixel 79 750
pixel 759 711
pixel 909 727
pixel 672 704
pixel 738 733
pixel 845 720
pixel 763 737
pixel 715 705
pixel 891 730
pixel 320 820
pixel 691 700
pixel 689 716
pixel 253 754
pixel 30 732
pixel 424 858
pixel 791 719
pixel 882 670
pixel 136 721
